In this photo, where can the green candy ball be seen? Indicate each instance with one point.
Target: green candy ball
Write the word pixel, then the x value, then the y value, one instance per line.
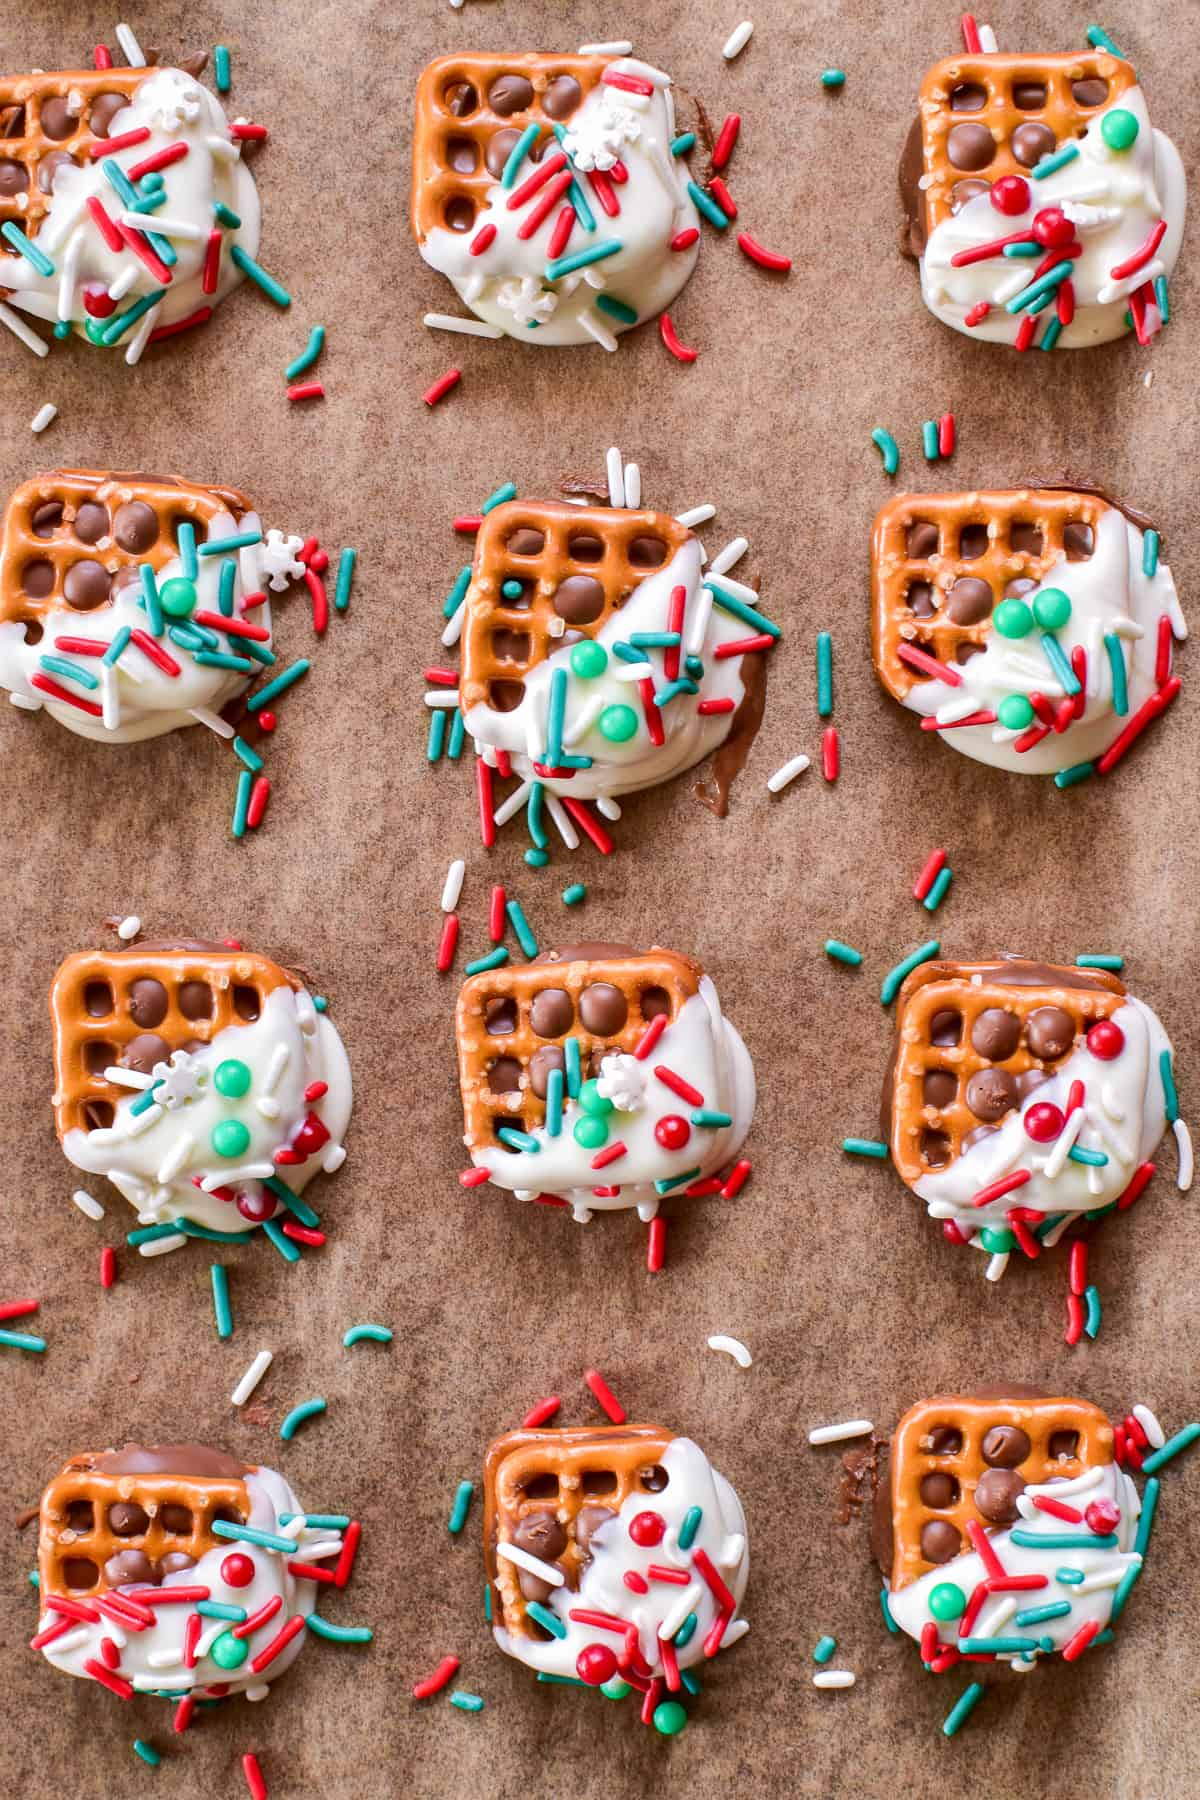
pixel 997 1239
pixel 618 724
pixel 177 597
pixel 232 1078
pixel 1119 129
pixel 669 1718
pixel 1051 609
pixel 591 1132
pixel 512 590
pixel 947 1601
pixel 588 660
pixel 616 1689
pixel 1013 619
pixel 593 1101
pixel 230 1138
pixel 1014 712
pixel 229 1652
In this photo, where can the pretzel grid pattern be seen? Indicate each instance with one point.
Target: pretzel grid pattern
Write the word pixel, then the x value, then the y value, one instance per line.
pixel 22 98
pixel 895 572
pixel 440 190
pixel 913 1458
pixel 570 535
pixel 599 1467
pixel 479 1049
pixel 79 1483
pixel 21 546
pixel 998 75
pixel 90 1008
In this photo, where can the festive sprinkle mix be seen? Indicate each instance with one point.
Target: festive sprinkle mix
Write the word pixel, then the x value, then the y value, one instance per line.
pixel 888 448
pixel 307 1409
pixel 375 1334
pixel 892 980
pixel 833 78
pixel 937 892
pixel 463 1495
pixel 865 1147
pixel 842 953
pixel 683 143
pixel 221 1308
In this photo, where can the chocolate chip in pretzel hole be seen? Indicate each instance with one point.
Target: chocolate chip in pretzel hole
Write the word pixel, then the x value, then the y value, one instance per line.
pixel 509 94
pixel 547 1057
pixel 921 540
pixel 991 1093
pixel 939 1088
pixel 654 1479
pixel 1005 1446
pixel 462 155
pixel 37 578
pixel 562 97
pixel 588 1521
pixel 970 147
pixel 1026 538
pixel 461 99
pixel 973 542
pixel 526 540
pixel 1029 96
pixel 579 600
pixel 935 1148
pixel 552 1014
pixel 500 1015
pixel 968 97
pixel 128 1519
pixel 86 585
pixel 135 526
pixel 939 1489
pixel 1079 540
pixel 1031 142
pixel 80 1516
pixel 1064 1446
pixel 944 1440
pixel 654 1001
pixel 1050 1032
pixel 945 1028
pixel 458 214
pixel 57 118
pixel 144 1051
pixel 921 601
pixel 541 1534
pixel 603 1008
pixel 91 522
pixel 148 1002
pixel 940 1541
pixel 962 191
pixel 14 178
pixel 504 1076
pixel 104 110
pixel 196 1000
pixel 1092 91
pixel 996 1495
pixel 80 1572
pixel 996 1033
pixel 130 1568
pixel 969 601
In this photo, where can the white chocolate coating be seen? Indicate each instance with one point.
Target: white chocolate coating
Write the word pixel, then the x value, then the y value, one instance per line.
pixel 1116 198
pixel 288 1047
pixel 721 1535
pixel 505 285
pixel 174 108
pixel 1109 594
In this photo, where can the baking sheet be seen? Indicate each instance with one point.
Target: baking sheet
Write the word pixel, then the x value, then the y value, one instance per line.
pixel 846 1295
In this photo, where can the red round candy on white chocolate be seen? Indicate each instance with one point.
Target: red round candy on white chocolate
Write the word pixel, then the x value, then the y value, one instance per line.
pixel 1106 1040
pixel 1044 1122
pixel 237 1571
pixel 647 1529
pixel 596 1664
pixel 1052 228
pixel 672 1132
pixel 1102 1516
pixel 98 303
pixel 256 1207
pixel 1010 195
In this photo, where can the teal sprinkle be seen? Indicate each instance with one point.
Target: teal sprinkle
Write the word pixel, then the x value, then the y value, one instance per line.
pixel 1160 294
pixel 464 1493
pixel 149 1234
pixel 280 685
pixel 307 1409
pixel 1036 1615
pixel 571 1063
pixel 1065 1540
pixel 691 1524
pixel 664 695
pixel 1050 165
pixel 617 309
pixel 571 896
pixel 1069 1577
pixel 512 590
pixel 63 329
pixel 192 637
pixel 163 247
pixel 437 735
pixel 185 538
pixel 581 259
pixel 251 758
pixel 887 1611
pixel 833 79
pixel 1125 1587
pixel 322 1521
pixel 546 1618
pixel 286 1246
pixel 1170 1092
pixel 1100 40
pixel 825 674
pixel 683 143
pixel 888 448
pixel 929 440
pixel 1150 553
pixel 560 1680
pixel 674 1181
pixel 1051 334
pixel 1041 290
pixel 962 1709
pixel 518 1140
pixel 487 1601
pixel 30 252
pixel 147 1752
pixel 686 1632
pixel 1098 1212
pixel 521 929
pixel 241 804
pixel 190 1228
pixel 690 1680
pixel 654 640
pixel 1054 656
pixel 555 717
pixel 1094 1159
pixel 891 981
pixel 58 665
pixel 707 206
pixel 218 659
pixel 221 68
pixel 555 1091
pixel 824 1649
pixel 533 815
pixel 710 1120
pixel 150 597
pixel 1104 1637
pixel 865 1147
pixel 493 960
pixel 458 592
pixel 144 1102
pixel 339 1634
pixel 249 1534
pixel 225 215
pixel 1116 662
pixel 259 276
pixel 358 1334
pixel 729 602
pixel 308 356
pixel 216 1609
pixel 35 1579
pixel 458 736
pixel 937 892
pixel 345 576
pixel 842 953
pixel 226 580
pixel 1153 1463
pixel 226 546
pixel 473 1702
pixel 518 153
pixel 320 1003
pixel 149 201
pixel 1076 773
pixel 119 180
pixel 626 653
pixel 295 1205
pixel 1145 1523
pixel 1114 963
pixel 221 1308
pixel 116 327
pixel 501 497
pixel 22 1340
pixel 694 666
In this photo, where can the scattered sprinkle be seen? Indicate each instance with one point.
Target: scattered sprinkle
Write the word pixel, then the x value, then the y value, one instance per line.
pixel 466 1702
pixel 147 1752
pixel 221 1307
pixel 442 386
pixel 1172 1447
pixel 842 953
pixel 670 337
pixel 464 1493
pixel 571 896
pixel 543 1411
pixel 22 1340
pixel 758 253
pixel 357 1334
pixel 1113 963
pixel 833 1678
pixel 604 1394
pixel 890 986
pixel 865 1147
pixel 308 356
pixel 433 1684
pixel 91 1209
pixel 737 40
pixel 824 1649
pixel 789 771
pixel 254 1776
pixel 130 46
pixel 452 890
pixel 44 416
pixel 252 1377
pixel 937 891
pixel 888 448
pixel 834 1434
pixel 833 78
pixel 732 1347
pixel 221 68
pixel 959 1713
pixel 340 1634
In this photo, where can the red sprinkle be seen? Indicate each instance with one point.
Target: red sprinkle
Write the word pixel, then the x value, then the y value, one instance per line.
pixel 1077 1266
pixel 266 1612
pixel 191 1637
pixel 982 1545
pixel 758 253
pixel 604 191
pixel 433 1684
pixel 318 596
pixel 541 209
pixel 345 1562
pixel 970 34
pixel 1079 668
pixel 473 1177
pixel 1136 1186
pixel 110 1655
pixel 604 1394
pixel 743 646
pixel 539 1414
pixel 303 1234
pixel 952 1232
pixel 44 685
pixel 929 874
pixel 633 84
pixel 116 1684
pixel 666 1651
pixel 279 1642
pixel 126 141
pixel 1144 716
pixel 255 134
pixel 485 236
pixel 1076 1646
pixel 592 826
pixel 1065 302
pixel 713 1581
pixel 260 793
pixel 102 56
pixel 1058 1509
pixel 727 137
pixel 18 1309
pixel 1142 256
pixel 162 659
pixel 739 1175
pixel 497 914
pixel 611 1153
pixel 723 197
pixel 1074 1330
pixel 831 755
pixel 637 1584
pixel 108 230
pixel 650 1037
pixel 559 237
pixel 235 627
pixel 656 1244
pixel 706 707
pixel 984 717
pixel 1022 1233
pixel 468 522
pixel 681 352
pixel 447 944
pixel 487 822
pixel 307 390
pixel 929 665
pixel 201 316
pixel 159 159
pixel 1162 660
pixel 700 1190
pixel 184 1711
pixel 947 435
pixel 678 1085
pixel 108 1269
pixel 929 1640
pixel 1025 332
pixel 683 240
pixel 254 1776
pixel 440 677
pixel 978 313
pixel 143 248
pixel 998 1189
pixel 438 391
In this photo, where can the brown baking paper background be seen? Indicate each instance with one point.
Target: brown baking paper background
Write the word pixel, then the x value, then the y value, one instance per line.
pixel 846 1295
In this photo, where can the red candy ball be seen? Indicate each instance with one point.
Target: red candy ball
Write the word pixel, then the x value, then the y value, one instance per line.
pixel 595 1664
pixel 237 1571
pixel 1106 1040
pixel 1102 1516
pixel 1052 228
pixel 97 301
pixel 1044 1122
pixel 266 720
pixel 1010 195
pixel 647 1528
pixel 256 1207
pixel 672 1132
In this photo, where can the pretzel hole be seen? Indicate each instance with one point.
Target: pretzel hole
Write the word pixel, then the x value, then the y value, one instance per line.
pixel 1064 1445
pixel 37 578
pixel 585 547
pixel 940 1489
pixel 599 1481
pixel 458 214
pixel 1079 540
pixel 56 117
pixel 247 1002
pixel 228 1515
pixel 511 646
pixel 127 1519
pixel 1026 538
pixel 504 1076
pixel 945 1028
pixel 460 98
pixel 80 1572
pixel 1029 96
pixel 98 999
pixel 921 599
pixel 500 1015
pixel 968 97
pixel 196 1000
pixel 654 1001
pixel 462 155
pixel 962 191
pixel 541 1487
pixel 921 539
pixel 930 650
pixel 505 696
pixel 944 1440
pixel 45 519
pixel 98 1115
pixel 518 602
pixel 33 632
pixel 177 1520
pixel 973 542
pixel 98 1056
pixel 526 540
pixel 1090 92
pixel 935 1148
pixel 81 1516
pixel 654 1478
pixel 647 552
pixel 12 122
pixel 186 518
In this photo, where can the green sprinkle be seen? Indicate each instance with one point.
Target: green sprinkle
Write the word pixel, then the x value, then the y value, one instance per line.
pixel 533 815
pixel 891 981
pixel 1170 1093
pixel 887 1612
pixel 929 440
pixel 617 309
pixel 560 1680
pixel 521 929
pixel 962 1709
pixel 35 1580
pixel 674 1181
pixel 842 953
pixel 1034 1615
pixel 220 1289
pixel 144 1101
pixel 501 497
pixel 22 1340
pixel 998 1646
pixel 307 1409
pixel 710 1120
pixel 1160 294
pixel 119 180
pixel 687 1630
pixel 221 68
pixel 58 665
pixel 218 659
pixel 824 674
pixel 340 1634
pixel 118 646
pixel 150 596
pixel 865 1147
pixel 259 276
pixel 1114 963
pixel 487 1601
pixel 185 538
pixel 147 1752
pixel 1076 773
pixel 664 695
pixel 63 329
pixel 833 78
pixel 241 804
pixel 997 1239
pixel 1069 1577
pixel 707 206
pixel 555 1090
pixel 1100 40
pixel 149 1234
pixel 728 602
pixel 572 1067
pixel 375 1334
pixel 458 592
pixel 824 1649
pixel 492 960
pixel 437 735
pixel 683 143
pixel 226 546
pixel 249 1534
pixel 473 1702
pixel 251 758
pixel 1050 165
pixel 280 685
pixel 458 737
pixel 1039 293
pixel 226 580
pixel 888 448
pixel 119 324
pixel 320 1003
pixel 295 1205
pixel 1066 1540
pixel 225 215
pixel 345 575
pixel 16 237
pixel 1051 334
pixel 690 1680
pixel 1150 553
pixel 464 1493
pixel 1172 1447
pixel 1116 662
pixel 518 153
pixel 550 1621
pixel 216 1609
pixel 555 717
pixel 571 896
pixel 518 1140
pixel 287 1248
pixel 580 259
pixel 937 892
pixel 1095 1159
pixel 1124 1588
pixel 670 1718
pixel 1149 1504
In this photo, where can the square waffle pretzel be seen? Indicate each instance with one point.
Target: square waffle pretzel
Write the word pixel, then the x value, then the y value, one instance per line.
pixel 618 547
pixel 560 1471
pixel 457 121
pixel 75 1533
pixel 506 996
pixel 924 1137
pixel 27 548
pixel 945 1436
pixel 27 107
pixel 998 77
pixel 1025 528
pixel 90 1006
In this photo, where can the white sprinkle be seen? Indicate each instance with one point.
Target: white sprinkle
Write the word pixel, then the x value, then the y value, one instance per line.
pixel 175 1158
pixel 205 1643
pixel 335 1156
pixel 141 336
pixel 45 415
pixel 447 698
pixel 607 807
pixel 633 484
pixel 996 1265
pixel 1062 1144
pixel 987 40
pixel 160 1246
pixel 71 1641
pixel 455 876
pixel 267 1108
pixel 1148 378
pixel 732 1347
pixel 27 702
pixel 779 780
pixel 91 1209
pixel 120 285
pixel 252 1377
pixel 833 1434
pixel 219 1177
pixel 562 820
pixel 616 478
pixel 468 327
pixel 698 621
pixel 136 1125
pixel 689 1599
pixel 454 625
pixel 129 927
pixel 596 328
pixel 1183 1139
pixel 1103 1578
pixel 259 1691
pixel 26 333
pixel 639 671
pixel 164 1659
pixel 509 808
pixel 585 718
pixel 315 1552
pixel 697 515
pixel 544 1571
pixel 214 721
pixel 131 47
pixel 833 1678
pixel 1052 1236
pixel 737 40
pixel 179 228
pixel 1150 1426
pixel 185 1681
pixel 731 554
pixel 618 47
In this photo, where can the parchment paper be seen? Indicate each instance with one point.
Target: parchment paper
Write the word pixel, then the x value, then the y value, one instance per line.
pixel 846 1295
